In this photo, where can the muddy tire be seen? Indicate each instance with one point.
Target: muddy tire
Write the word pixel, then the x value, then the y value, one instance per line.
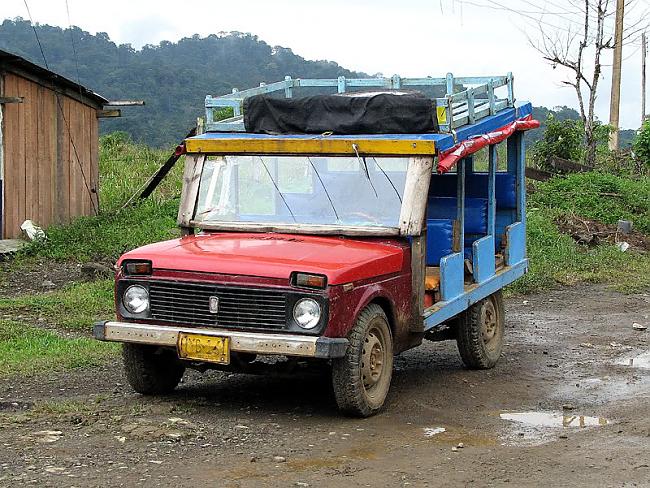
pixel 480 332
pixel 361 379
pixel 151 370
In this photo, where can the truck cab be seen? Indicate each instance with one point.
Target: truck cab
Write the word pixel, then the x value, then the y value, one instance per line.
pixel 341 248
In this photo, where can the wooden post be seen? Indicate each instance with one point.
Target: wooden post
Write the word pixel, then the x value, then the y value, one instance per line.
pixel 413 223
pixel 190 191
pixel 615 101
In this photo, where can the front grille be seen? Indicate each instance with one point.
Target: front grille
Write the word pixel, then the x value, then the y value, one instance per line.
pixel 189 303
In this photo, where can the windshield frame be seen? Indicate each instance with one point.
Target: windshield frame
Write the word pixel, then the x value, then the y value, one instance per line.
pixel 411 218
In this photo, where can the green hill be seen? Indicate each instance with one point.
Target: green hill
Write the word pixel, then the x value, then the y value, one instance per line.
pixel 173 77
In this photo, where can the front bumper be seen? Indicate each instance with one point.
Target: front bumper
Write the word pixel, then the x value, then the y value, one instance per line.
pixel 251 342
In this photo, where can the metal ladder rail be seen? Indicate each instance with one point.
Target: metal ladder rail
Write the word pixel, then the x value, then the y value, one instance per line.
pixel 464 106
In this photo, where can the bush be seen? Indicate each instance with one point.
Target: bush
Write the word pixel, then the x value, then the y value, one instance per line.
pixel 562 139
pixel 641 145
pixel 566 139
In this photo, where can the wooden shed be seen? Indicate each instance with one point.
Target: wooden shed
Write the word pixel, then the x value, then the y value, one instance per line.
pixel 48 146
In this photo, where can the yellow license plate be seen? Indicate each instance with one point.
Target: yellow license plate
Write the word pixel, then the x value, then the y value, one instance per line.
pixel 204 348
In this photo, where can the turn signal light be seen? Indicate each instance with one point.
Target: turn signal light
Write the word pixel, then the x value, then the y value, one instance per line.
pixel 309 280
pixel 138 268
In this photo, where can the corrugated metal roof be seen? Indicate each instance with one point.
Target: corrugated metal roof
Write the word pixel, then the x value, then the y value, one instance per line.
pixel 9 61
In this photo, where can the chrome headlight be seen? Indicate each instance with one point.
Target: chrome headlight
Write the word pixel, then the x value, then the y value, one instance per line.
pixel 306 313
pixel 136 299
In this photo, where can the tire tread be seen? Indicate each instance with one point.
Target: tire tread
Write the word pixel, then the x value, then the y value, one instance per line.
pixel 468 338
pixel 150 372
pixel 348 387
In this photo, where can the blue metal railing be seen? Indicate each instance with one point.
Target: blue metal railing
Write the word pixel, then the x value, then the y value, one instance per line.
pixel 476 101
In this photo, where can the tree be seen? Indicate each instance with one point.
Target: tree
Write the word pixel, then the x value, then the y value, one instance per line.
pixel 580 51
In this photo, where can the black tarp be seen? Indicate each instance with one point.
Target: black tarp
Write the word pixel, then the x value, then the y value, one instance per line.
pixel 356 113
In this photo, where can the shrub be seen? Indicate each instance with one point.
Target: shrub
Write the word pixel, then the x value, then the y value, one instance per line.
pixel 562 139
pixel 641 145
pixel 566 139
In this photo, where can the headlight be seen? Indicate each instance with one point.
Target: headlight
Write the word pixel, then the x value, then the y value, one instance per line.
pixel 306 313
pixel 136 299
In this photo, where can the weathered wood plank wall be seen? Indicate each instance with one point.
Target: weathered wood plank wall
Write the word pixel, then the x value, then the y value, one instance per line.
pixel 43 173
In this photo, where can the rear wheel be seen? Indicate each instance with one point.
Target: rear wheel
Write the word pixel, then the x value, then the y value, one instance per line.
pixel 151 370
pixel 480 332
pixel 361 379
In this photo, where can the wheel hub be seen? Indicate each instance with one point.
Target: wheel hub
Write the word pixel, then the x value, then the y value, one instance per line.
pixel 372 360
pixel 488 322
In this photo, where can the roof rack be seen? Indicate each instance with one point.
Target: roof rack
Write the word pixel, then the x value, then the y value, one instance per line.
pixel 475 101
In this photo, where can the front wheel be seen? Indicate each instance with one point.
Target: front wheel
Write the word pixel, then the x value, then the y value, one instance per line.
pixel 151 370
pixel 480 332
pixel 361 378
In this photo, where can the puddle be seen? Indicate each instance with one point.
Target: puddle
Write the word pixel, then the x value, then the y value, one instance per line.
pixel 431 431
pixel 534 428
pixel 640 361
pixel 550 419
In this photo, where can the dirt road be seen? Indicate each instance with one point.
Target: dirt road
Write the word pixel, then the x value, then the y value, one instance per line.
pixel 568 405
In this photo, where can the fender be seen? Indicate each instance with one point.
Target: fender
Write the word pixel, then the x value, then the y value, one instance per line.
pixel 393 291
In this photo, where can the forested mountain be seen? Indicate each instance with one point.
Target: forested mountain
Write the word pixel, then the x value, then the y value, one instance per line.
pixel 173 78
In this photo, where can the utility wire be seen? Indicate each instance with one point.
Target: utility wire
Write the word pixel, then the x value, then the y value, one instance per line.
pixel 74 48
pixel 65 120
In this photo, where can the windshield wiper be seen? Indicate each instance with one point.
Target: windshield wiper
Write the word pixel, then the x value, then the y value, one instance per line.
pixel 362 162
pixel 323 185
pixel 277 189
pixel 389 180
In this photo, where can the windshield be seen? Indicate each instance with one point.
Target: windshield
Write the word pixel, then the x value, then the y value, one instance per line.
pixel 343 191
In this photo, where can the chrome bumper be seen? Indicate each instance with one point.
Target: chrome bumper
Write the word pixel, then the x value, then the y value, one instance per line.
pixel 253 342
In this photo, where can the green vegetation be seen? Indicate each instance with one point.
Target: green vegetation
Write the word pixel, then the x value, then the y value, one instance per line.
pixel 124 168
pixel 599 196
pixel 641 145
pixel 29 350
pixel 72 308
pixel 555 258
pixel 172 77
pixel 564 138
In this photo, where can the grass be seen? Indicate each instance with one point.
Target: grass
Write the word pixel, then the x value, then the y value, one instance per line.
pixel 555 259
pixel 124 169
pixel 598 196
pixel 28 350
pixel 72 308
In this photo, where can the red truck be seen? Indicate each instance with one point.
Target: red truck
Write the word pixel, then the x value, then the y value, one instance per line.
pixel 344 248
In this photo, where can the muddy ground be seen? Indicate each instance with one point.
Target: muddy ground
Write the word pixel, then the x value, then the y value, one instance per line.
pixel 571 354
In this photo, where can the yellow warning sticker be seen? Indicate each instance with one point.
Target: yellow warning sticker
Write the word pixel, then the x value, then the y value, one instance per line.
pixel 442 114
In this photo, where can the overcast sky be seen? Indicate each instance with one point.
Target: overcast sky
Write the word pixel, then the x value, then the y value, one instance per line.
pixel 407 37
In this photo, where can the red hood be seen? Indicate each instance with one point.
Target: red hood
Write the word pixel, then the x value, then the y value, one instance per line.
pixel 342 260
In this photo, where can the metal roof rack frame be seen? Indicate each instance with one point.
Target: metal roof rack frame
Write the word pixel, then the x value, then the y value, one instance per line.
pixel 467 106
